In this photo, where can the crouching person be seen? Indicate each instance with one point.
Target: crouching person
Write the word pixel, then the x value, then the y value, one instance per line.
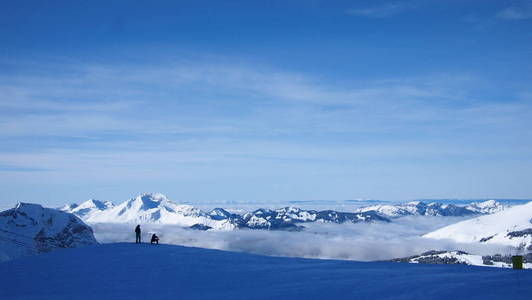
pixel 154 239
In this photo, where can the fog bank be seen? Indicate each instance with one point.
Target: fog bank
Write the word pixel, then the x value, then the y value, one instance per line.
pixel 362 241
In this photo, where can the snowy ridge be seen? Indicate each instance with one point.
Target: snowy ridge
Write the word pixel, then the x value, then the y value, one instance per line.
pixel 464 258
pixel 289 217
pixel 88 208
pixel 419 208
pixel 30 229
pixel 157 208
pixel 486 207
pixel 510 227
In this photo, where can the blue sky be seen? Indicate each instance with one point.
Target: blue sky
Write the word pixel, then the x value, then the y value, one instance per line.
pixel 265 100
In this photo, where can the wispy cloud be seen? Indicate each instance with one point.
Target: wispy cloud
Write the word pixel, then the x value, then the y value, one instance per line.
pixel 515 13
pixel 113 99
pixel 214 122
pixel 383 10
pixel 110 100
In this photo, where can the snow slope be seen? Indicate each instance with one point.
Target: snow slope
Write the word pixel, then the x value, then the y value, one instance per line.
pixel 30 229
pixel 129 271
pixel 511 227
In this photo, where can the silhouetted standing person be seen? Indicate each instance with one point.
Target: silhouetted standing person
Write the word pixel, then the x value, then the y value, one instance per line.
pixel 137 234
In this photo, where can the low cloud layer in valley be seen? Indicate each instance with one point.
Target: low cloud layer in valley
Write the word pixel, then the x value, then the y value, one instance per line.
pixel 361 241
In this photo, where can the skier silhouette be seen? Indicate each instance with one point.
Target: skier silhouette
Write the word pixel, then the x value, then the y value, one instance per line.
pixel 137 234
pixel 154 239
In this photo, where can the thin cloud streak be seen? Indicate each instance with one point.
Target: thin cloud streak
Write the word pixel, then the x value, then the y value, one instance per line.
pixel 399 100
pixel 384 10
pixel 217 122
pixel 514 13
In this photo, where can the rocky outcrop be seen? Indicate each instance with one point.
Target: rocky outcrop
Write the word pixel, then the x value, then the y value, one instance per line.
pixel 31 228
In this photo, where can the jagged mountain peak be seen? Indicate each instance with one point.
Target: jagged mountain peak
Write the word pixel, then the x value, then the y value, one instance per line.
pixel 69 207
pixel 147 201
pixel 87 208
pixel 155 197
pixel 157 208
pixel 93 203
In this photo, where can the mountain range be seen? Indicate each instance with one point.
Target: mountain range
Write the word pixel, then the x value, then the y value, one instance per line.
pixel 420 208
pixel 157 208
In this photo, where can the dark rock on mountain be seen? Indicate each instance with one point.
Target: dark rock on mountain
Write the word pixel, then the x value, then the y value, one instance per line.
pixel 31 228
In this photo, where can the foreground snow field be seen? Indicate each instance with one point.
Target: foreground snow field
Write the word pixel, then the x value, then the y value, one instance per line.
pixel 130 271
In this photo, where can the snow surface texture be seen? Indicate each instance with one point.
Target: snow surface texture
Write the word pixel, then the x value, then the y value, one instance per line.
pixel 130 271
pixel 30 229
pixel 511 227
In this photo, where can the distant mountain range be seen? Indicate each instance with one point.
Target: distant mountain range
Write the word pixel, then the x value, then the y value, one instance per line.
pixel 157 208
pixel 31 228
pixel 419 208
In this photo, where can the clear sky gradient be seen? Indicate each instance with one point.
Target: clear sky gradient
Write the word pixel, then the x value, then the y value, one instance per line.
pixel 265 100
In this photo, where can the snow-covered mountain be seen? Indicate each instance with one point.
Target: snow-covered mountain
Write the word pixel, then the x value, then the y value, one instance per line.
pixel 68 207
pixel 486 207
pixel 88 208
pixel 419 208
pixel 510 227
pixel 30 228
pixel 464 258
pixel 157 208
pixel 289 217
